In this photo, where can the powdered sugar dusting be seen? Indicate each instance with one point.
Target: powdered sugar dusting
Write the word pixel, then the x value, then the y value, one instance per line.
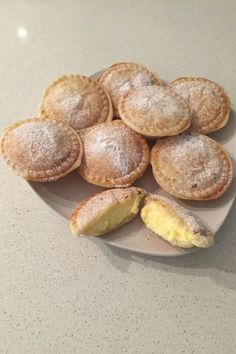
pixel 205 98
pixel 40 144
pixel 195 159
pixel 157 102
pixel 116 146
pixel 68 104
pixel 78 101
pixel 124 84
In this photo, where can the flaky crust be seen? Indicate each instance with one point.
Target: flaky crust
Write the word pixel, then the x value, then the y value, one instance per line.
pixel 202 236
pixel 123 77
pixel 191 167
pixel 94 206
pixel 114 155
pixel 208 100
pixel 155 111
pixel 22 161
pixel 76 100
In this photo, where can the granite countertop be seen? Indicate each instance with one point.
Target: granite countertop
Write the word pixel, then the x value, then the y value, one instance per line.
pixel 59 294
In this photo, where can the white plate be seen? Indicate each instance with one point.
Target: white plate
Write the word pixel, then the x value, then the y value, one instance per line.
pixel 64 194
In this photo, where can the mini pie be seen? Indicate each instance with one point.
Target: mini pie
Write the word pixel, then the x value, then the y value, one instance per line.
pixel 175 223
pixel 155 111
pixel 191 167
pixel 106 211
pixel 209 102
pixel 114 155
pixel 78 101
pixel 41 150
pixel 121 77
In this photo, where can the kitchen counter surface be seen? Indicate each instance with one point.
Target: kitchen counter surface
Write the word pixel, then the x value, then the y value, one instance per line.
pixel 59 294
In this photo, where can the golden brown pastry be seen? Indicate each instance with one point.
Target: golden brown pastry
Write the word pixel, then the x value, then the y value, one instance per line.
pixel 114 155
pixel 106 211
pixel 41 150
pixel 209 102
pixel 154 111
pixel 122 77
pixel 175 223
pixel 191 167
pixel 76 100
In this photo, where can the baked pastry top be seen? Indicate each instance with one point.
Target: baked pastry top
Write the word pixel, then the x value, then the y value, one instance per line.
pixel 122 77
pixel 114 155
pixel 155 111
pixel 41 150
pixel 209 102
pixel 191 167
pixel 76 100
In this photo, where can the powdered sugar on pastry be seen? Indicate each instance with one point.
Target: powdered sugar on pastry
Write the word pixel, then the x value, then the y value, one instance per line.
pixel 122 77
pixel 41 150
pixel 42 143
pixel 113 152
pixel 116 146
pixel 208 101
pixel 191 167
pixel 78 100
pixel 154 111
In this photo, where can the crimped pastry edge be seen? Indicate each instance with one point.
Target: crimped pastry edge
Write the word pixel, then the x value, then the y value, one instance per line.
pixel 45 115
pixel 148 133
pixel 210 127
pixel 38 174
pixel 211 196
pixel 124 181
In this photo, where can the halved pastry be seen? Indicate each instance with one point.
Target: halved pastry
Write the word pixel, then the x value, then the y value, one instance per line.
pixel 114 155
pixel 175 223
pixel 122 77
pixel 106 211
pixel 209 102
pixel 76 100
pixel 155 111
pixel 41 150
pixel 191 167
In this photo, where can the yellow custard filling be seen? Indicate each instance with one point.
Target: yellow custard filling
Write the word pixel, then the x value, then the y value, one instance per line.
pixel 164 221
pixel 116 215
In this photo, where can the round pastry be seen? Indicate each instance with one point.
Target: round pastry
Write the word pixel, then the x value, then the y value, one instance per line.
pixel 191 167
pixel 154 111
pixel 175 223
pixel 122 77
pixel 76 100
pixel 41 150
pixel 106 211
pixel 209 102
pixel 114 155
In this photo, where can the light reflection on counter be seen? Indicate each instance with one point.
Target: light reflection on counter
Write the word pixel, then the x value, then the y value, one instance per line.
pixel 22 33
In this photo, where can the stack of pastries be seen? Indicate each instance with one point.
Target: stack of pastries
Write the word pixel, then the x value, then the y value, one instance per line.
pixel 102 129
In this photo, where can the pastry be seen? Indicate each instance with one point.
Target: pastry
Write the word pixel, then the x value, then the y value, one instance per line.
pixel 154 111
pixel 114 155
pixel 106 211
pixel 209 102
pixel 121 77
pixel 41 150
pixel 175 223
pixel 191 167
pixel 76 100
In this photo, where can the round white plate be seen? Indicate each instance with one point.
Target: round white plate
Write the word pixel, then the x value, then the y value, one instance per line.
pixel 64 194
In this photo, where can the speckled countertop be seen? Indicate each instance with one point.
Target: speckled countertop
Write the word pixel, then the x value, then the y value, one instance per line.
pixel 61 295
